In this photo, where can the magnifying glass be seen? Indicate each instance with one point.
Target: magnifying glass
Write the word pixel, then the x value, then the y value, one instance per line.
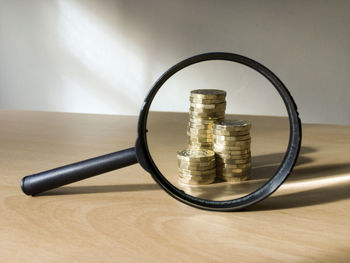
pixel 204 156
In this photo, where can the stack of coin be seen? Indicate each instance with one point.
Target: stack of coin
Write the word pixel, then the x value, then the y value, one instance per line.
pixel 232 148
pixel 206 107
pixel 196 166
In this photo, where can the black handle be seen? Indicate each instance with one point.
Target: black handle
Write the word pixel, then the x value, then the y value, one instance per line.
pixel 40 182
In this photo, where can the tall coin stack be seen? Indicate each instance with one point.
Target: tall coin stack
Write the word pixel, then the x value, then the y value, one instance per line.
pixel 232 147
pixel 206 107
pixel 196 166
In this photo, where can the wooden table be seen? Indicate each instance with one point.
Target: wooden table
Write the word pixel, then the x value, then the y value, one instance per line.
pixel 123 216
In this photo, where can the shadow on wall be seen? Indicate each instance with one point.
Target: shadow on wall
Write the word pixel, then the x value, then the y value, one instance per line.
pixel 69 60
pixel 103 56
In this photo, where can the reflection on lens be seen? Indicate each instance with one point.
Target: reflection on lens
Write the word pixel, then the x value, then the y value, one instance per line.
pixel 208 153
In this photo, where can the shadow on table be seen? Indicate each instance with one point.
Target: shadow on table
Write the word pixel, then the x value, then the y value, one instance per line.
pixel 264 167
pixel 334 188
pixel 95 189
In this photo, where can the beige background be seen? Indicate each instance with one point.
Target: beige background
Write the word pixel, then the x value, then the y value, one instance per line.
pixel 103 56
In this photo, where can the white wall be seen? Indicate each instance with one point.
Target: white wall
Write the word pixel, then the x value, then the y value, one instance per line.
pixel 103 56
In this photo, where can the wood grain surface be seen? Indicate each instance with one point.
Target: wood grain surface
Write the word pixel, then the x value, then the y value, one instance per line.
pixel 123 216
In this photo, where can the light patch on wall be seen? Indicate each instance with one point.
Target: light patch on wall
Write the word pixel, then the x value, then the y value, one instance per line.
pixel 248 92
pixel 115 70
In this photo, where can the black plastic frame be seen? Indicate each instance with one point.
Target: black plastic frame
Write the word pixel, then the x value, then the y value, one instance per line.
pixel 285 168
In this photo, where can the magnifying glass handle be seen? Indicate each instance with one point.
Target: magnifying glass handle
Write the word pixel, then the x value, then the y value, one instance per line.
pixel 40 182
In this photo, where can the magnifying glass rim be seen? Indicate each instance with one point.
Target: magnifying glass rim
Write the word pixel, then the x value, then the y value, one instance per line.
pixel 261 193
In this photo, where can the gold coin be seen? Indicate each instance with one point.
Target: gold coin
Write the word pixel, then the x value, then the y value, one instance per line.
pixel 204 112
pixel 239 172
pixel 230 152
pixel 197 176
pixel 199 131
pixel 197 172
pixel 195 182
pixel 200 135
pixel 231 143
pixel 220 138
pixel 208 93
pixel 199 139
pixel 236 165
pixel 229 133
pixel 207 101
pixel 208 106
pixel 200 127
pixel 197 167
pixel 208 162
pixel 192 155
pixel 212 116
pixel 234 179
pixel 194 144
pixel 233 170
pixel 225 165
pixel 233 125
pixel 220 160
pixel 222 147
pixel 234 157
pixel 202 121
pixel 232 176
pixel 217 109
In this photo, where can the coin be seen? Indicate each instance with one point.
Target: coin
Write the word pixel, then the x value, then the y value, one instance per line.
pixel 229 133
pixel 197 111
pixel 238 152
pixel 208 93
pixel 200 140
pixel 234 125
pixel 220 160
pixel 197 172
pixel 231 176
pixel 207 115
pixel 235 179
pixel 233 170
pixel 234 157
pixel 196 167
pixel 223 147
pixel 207 100
pixel 245 143
pixel 200 144
pixel 200 121
pixel 208 106
pixel 197 162
pixel 219 167
pixel 200 131
pixel 231 138
pixel 200 155
pixel 200 127
pixel 196 182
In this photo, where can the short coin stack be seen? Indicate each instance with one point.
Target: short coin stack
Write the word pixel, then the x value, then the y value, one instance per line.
pixel 206 107
pixel 232 148
pixel 196 166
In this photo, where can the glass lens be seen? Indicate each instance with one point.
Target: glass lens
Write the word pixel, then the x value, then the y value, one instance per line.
pixel 217 130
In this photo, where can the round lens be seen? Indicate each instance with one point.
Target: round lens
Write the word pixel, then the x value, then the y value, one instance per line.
pixel 218 133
